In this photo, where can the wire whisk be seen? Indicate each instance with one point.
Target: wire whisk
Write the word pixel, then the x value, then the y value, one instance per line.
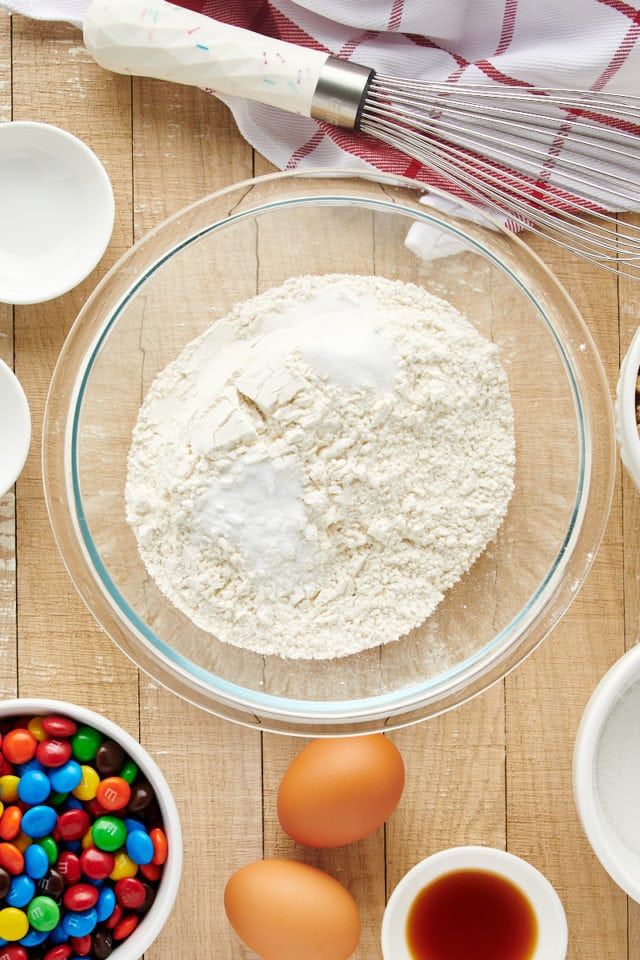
pixel 557 162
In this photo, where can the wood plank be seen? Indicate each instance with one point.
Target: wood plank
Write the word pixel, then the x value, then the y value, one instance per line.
pixel 546 695
pixel 8 623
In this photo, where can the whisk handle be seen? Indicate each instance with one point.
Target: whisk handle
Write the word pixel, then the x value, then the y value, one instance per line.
pixel 153 38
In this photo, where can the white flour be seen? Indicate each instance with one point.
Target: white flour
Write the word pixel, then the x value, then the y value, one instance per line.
pixel 314 471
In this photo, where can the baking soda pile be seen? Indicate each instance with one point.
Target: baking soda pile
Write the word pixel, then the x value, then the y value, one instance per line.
pixel 314 471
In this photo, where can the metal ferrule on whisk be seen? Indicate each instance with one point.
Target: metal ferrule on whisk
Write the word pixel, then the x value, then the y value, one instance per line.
pixel 340 93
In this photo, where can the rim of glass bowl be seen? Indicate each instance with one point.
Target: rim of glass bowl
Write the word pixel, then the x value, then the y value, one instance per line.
pixel 325 717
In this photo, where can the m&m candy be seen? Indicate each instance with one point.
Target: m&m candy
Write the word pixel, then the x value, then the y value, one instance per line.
pixel 82 843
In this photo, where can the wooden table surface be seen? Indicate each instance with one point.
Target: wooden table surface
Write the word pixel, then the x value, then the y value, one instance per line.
pixel 495 771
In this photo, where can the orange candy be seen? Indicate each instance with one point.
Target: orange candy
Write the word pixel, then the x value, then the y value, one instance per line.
pixel 11 858
pixel 10 822
pixel 113 793
pixel 160 846
pixel 19 745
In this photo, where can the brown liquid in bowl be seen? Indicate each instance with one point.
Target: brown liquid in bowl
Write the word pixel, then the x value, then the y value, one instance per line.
pixel 471 915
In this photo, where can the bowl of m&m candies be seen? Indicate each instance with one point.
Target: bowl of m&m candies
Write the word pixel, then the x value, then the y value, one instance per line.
pixel 90 838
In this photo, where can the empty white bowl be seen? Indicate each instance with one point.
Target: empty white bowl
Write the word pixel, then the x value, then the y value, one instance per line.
pixel 625 407
pixel 606 772
pixel 57 211
pixel 15 428
pixel 550 940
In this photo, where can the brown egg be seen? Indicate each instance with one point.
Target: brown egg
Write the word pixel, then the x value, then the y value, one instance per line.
pixel 285 910
pixel 340 789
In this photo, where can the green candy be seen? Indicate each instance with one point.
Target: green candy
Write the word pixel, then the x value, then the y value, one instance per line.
pixel 129 772
pixel 43 913
pixel 108 833
pixel 50 848
pixel 84 744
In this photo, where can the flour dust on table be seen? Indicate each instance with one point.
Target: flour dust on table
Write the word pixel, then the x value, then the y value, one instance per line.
pixel 316 469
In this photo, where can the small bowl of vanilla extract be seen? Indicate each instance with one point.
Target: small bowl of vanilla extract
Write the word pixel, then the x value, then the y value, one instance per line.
pixel 474 901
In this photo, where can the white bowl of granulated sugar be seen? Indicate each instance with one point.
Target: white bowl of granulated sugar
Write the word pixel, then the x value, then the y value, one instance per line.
pixel 313 481
pixel 606 772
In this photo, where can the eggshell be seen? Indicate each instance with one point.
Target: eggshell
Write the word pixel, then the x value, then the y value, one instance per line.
pixel 338 790
pixel 284 910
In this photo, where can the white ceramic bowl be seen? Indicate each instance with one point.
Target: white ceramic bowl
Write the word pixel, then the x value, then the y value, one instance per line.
pixel 57 211
pixel 625 410
pixel 15 428
pixel 596 802
pixel 552 934
pixel 152 922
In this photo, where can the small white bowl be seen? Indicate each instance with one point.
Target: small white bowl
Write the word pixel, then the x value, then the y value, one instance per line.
pixel 57 211
pixel 594 735
pixel 153 921
pixel 551 943
pixel 15 428
pixel 625 410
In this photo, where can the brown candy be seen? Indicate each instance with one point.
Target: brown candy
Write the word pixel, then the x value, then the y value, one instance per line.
pixel 141 796
pixel 110 758
pixel 101 943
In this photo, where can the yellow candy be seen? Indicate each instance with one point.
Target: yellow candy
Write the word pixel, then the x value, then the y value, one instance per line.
pixel 9 789
pixel 88 786
pixel 123 867
pixel 22 841
pixel 14 923
pixel 35 727
pixel 87 841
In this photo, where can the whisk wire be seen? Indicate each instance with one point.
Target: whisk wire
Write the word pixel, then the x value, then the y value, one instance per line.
pixel 558 163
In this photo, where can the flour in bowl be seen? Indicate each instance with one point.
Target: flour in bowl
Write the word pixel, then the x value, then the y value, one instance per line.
pixel 314 471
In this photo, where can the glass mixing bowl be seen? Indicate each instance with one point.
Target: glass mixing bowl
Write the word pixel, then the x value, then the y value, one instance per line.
pixel 224 249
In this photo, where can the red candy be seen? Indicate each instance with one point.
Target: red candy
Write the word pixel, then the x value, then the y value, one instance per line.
pixel 19 746
pixel 115 917
pixel 53 753
pixel 68 866
pixel 62 952
pixel 130 893
pixel 151 871
pixel 13 951
pixel 96 864
pixel 80 896
pixel 73 824
pixel 126 926
pixel 81 945
pixel 59 726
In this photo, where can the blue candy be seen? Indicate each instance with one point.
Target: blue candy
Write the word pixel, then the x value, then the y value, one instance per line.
pixel 139 846
pixel 38 821
pixel 106 904
pixel 36 861
pixel 58 935
pixel 21 891
pixel 33 938
pixel 34 787
pixel 66 778
pixel 79 923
